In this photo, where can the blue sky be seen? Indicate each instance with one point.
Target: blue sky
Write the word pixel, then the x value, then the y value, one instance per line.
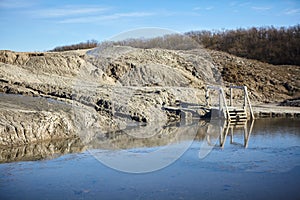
pixel 38 25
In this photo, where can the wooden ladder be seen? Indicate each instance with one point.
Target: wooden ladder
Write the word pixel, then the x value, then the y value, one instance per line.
pixel 232 114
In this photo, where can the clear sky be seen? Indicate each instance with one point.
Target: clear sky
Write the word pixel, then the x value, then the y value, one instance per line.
pixel 38 25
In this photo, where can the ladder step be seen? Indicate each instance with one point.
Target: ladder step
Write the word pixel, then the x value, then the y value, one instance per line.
pixel 238 115
pixel 242 114
pixel 237 125
pixel 233 107
pixel 234 121
pixel 235 112
pixel 237 122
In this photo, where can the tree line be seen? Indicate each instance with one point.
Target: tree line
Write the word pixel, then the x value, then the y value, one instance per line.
pixel 268 44
pixel 170 41
pixel 279 46
pixel 83 45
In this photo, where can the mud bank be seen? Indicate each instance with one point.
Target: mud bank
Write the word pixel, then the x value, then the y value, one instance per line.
pixel 275 111
pixel 27 120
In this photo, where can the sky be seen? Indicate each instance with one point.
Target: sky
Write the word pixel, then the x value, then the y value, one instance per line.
pixel 41 25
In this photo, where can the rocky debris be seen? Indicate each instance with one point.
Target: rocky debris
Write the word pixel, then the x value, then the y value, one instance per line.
pixel 46 73
pixel 266 83
pixel 137 104
pixel 154 75
pixel 26 120
pixel 45 63
pixel 149 67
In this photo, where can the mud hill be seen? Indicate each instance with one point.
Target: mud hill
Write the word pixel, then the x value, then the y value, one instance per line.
pixel 109 87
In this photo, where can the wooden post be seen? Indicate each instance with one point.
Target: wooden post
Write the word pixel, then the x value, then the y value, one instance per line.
pixel 220 104
pixel 245 135
pixel 226 114
pixel 225 136
pixel 230 102
pixel 249 133
pixel 249 104
pixel 231 137
pixel 245 98
pixel 221 97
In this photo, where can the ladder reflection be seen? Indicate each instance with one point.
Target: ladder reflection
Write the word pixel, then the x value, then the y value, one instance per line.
pixel 224 129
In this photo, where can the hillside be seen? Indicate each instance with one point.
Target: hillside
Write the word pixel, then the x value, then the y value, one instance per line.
pixel 109 87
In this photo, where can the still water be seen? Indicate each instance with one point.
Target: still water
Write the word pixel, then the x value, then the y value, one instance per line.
pixel 203 160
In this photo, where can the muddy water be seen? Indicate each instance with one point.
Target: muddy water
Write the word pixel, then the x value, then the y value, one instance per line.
pixel 238 164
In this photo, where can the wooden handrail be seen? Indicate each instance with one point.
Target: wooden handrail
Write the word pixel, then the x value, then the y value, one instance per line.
pixel 224 100
pixel 221 95
pixel 249 103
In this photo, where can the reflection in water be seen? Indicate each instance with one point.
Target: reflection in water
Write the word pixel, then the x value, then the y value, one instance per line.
pixel 125 152
pixel 40 151
pixel 226 128
pixel 152 137
pixel 138 136
pixel 218 130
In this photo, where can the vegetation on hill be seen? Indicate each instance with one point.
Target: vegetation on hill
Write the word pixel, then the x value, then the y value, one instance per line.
pixel 268 44
pixel 279 46
pixel 172 42
pixel 83 45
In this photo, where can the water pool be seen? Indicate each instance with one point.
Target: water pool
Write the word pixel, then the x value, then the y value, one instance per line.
pixel 267 168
